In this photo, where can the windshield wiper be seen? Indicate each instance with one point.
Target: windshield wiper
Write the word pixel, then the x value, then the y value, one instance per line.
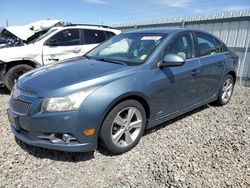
pixel 108 60
pixel 87 57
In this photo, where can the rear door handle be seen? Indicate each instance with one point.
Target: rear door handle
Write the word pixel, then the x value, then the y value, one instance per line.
pixel 195 72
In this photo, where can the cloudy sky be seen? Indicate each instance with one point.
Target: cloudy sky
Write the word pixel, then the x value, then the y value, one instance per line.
pixel 110 12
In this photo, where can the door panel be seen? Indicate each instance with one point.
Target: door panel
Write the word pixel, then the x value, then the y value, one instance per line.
pixel 212 64
pixel 212 68
pixel 56 53
pixel 174 88
pixel 63 45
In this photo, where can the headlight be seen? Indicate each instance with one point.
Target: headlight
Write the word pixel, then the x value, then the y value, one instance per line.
pixel 66 103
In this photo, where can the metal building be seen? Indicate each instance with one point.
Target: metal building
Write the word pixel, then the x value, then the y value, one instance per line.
pixel 231 27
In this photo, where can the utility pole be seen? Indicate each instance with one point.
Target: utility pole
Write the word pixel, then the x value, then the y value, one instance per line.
pixel 7 23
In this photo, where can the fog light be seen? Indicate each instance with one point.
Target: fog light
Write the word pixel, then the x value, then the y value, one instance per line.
pixel 53 138
pixel 66 138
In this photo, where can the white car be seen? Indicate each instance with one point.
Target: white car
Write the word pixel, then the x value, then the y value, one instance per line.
pixel 59 43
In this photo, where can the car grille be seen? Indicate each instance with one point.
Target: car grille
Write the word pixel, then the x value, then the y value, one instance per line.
pixel 20 106
pixel 26 92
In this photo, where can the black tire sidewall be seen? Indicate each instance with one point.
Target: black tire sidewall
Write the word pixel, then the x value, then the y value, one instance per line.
pixel 105 132
pixel 220 101
pixel 9 77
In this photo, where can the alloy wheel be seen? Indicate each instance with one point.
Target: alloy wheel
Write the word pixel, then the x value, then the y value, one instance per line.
pixel 126 127
pixel 227 90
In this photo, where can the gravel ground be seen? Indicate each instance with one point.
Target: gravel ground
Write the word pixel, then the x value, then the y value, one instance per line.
pixel 209 147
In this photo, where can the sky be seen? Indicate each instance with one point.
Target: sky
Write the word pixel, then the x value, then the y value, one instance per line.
pixel 110 12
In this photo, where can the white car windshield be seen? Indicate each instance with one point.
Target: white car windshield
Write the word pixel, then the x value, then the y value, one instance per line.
pixel 130 48
pixel 38 37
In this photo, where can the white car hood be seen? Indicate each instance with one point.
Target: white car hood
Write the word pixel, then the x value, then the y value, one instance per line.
pixel 22 32
pixel 43 24
pixel 26 31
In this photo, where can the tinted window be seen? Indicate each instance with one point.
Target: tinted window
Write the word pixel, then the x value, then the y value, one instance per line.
pixel 208 45
pixel 94 36
pixel 67 37
pixel 110 34
pixel 181 46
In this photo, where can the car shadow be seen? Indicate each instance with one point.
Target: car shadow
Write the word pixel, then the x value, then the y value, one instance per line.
pixel 54 155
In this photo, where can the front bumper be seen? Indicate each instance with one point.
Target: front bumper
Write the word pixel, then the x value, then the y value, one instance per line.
pixel 84 147
pixel 34 128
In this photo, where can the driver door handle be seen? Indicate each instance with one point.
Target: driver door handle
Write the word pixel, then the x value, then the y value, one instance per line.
pixel 53 59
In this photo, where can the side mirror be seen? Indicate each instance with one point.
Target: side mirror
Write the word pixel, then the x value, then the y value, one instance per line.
pixel 52 42
pixel 171 60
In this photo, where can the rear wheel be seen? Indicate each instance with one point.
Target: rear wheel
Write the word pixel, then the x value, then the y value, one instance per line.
pixel 123 127
pixel 14 73
pixel 226 90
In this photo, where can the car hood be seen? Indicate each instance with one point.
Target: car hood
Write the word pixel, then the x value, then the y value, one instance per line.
pixel 26 31
pixel 66 77
pixel 22 32
pixel 44 24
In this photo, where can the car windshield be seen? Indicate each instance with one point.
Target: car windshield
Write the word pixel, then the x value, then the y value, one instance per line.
pixel 37 37
pixel 130 48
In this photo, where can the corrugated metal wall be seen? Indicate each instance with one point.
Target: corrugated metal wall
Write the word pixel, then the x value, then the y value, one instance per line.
pixel 232 27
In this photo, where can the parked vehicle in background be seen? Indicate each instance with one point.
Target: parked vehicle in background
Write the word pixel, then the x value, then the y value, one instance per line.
pixel 133 81
pixel 59 43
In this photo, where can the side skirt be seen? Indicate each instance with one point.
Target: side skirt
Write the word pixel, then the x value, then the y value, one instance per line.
pixel 155 122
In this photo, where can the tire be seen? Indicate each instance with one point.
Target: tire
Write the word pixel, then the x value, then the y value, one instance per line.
pixel 119 132
pixel 226 90
pixel 14 73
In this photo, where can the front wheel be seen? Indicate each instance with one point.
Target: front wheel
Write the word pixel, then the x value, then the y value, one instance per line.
pixel 14 73
pixel 123 127
pixel 226 90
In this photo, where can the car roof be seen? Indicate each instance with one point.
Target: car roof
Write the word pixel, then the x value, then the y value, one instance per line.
pixel 171 30
pixel 103 28
pixel 165 30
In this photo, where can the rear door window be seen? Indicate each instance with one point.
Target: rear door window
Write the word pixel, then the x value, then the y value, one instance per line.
pixel 208 45
pixel 94 36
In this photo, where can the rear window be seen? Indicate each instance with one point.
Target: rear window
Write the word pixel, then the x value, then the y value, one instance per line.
pixel 94 36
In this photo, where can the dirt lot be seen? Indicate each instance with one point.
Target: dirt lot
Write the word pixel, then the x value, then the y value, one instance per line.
pixel 209 147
